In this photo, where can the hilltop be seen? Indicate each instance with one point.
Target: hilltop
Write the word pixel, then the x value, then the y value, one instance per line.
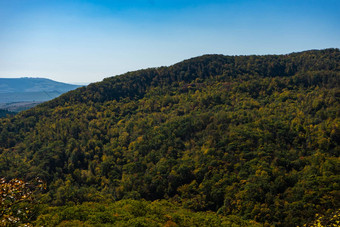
pixel 231 139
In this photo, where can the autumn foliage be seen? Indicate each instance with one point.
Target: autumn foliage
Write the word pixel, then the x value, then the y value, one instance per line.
pixel 17 198
pixel 251 137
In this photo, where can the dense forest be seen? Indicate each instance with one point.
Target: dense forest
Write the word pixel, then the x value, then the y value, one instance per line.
pixel 214 140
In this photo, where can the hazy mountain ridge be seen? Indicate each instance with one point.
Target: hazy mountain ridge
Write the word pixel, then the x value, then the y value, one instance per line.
pixel 17 94
pixel 252 136
pixel 28 84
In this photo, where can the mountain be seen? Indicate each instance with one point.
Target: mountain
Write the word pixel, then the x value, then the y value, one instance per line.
pixel 17 94
pixel 28 84
pixel 242 140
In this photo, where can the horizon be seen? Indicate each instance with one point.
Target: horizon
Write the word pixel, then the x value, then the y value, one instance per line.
pixel 45 78
pixel 87 41
pixel 87 83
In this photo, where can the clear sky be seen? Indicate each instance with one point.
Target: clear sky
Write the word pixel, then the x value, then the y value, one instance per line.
pixel 86 41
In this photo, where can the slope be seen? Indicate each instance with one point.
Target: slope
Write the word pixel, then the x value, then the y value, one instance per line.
pixel 253 136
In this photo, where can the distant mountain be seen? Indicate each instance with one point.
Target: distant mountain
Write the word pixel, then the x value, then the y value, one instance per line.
pixel 29 91
pixel 27 84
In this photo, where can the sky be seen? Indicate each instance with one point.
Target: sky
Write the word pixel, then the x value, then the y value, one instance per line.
pixel 76 41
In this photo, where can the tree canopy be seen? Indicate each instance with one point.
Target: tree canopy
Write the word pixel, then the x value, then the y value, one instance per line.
pixel 256 137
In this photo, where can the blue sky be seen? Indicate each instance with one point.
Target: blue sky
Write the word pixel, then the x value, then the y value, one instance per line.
pixel 86 41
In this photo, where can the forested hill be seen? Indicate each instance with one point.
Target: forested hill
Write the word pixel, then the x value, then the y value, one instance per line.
pixel 255 137
pixel 206 68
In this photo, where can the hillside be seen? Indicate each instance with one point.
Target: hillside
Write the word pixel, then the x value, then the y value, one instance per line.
pixel 17 94
pixel 249 138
